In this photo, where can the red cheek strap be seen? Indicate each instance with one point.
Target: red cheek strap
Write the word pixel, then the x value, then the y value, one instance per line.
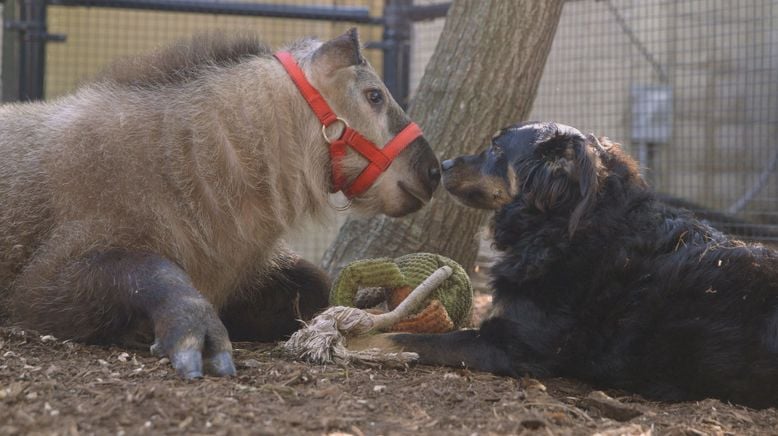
pixel 380 159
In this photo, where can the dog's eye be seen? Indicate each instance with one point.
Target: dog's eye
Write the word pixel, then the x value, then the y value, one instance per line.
pixel 374 96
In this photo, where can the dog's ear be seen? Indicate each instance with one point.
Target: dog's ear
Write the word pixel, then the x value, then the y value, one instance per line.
pixel 340 52
pixel 587 159
pixel 549 174
pixel 567 172
pixel 576 157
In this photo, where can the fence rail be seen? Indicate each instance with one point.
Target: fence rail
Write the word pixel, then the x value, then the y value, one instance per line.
pixel 25 33
pixel 326 13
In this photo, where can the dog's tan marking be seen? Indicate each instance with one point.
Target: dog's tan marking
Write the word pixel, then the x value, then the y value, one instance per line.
pixel 381 341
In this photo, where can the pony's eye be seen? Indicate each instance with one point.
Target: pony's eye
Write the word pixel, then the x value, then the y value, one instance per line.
pixel 375 96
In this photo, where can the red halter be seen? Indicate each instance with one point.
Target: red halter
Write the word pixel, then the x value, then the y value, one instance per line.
pixel 379 159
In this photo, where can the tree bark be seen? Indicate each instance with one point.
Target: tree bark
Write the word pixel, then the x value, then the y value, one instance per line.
pixel 483 75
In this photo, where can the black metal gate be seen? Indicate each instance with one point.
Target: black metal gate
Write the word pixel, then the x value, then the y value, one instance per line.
pixel 25 34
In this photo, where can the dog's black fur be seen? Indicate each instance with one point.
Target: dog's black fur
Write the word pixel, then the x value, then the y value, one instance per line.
pixel 599 280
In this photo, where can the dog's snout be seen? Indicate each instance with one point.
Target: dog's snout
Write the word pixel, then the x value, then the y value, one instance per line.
pixel 447 164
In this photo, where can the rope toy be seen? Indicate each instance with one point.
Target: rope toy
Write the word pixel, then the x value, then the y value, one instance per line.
pixel 442 290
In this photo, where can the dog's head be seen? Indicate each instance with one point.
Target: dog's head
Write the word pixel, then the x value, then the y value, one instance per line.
pixel 548 166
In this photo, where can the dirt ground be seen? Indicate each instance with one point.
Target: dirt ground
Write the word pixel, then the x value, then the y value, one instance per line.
pixel 52 387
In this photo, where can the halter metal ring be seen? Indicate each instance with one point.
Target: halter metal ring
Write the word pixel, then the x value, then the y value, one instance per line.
pixel 339 208
pixel 324 130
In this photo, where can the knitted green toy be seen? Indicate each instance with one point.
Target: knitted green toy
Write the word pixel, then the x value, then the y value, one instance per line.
pixel 447 308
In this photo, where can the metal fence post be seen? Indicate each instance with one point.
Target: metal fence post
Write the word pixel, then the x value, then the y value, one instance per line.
pixel 10 69
pixel 24 49
pixel 397 49
pixel 32 54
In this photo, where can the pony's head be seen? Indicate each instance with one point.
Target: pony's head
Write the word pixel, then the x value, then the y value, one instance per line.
pixel 358 96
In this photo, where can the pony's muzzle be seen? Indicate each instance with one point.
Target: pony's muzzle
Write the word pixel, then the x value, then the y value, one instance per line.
pixel 426 165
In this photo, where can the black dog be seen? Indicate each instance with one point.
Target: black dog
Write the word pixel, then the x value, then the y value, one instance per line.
pixel 599 280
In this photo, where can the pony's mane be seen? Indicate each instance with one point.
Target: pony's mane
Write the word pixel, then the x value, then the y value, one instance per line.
pixel 185 60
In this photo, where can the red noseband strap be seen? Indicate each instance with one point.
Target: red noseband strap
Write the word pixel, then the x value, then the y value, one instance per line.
pixel 379 159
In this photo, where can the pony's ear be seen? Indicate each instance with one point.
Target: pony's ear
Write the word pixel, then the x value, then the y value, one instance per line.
pixel 588 152
pixel 341 52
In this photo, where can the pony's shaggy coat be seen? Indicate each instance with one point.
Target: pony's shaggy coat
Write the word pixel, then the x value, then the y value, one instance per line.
pixel 159 192
pixel 599 280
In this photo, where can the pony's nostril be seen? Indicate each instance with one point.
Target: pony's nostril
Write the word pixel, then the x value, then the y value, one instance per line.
pixel 447 164
pixel 434 173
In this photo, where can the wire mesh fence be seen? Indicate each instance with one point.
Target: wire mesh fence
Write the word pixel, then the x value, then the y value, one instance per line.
pixel 689 87
pixel 97 35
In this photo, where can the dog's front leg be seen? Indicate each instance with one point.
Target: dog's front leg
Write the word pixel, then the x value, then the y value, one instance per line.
pixel 462 348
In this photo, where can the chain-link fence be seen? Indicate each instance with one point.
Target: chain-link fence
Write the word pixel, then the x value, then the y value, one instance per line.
pixel 97 35
pixel 690 87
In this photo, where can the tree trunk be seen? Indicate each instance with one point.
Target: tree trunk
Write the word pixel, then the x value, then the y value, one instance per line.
pixel 483 75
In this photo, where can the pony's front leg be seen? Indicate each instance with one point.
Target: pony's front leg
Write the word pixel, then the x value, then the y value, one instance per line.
pixel 99 296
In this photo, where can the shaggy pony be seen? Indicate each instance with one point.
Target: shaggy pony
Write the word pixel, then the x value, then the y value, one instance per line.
pixel 151 203
pixel 598 280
